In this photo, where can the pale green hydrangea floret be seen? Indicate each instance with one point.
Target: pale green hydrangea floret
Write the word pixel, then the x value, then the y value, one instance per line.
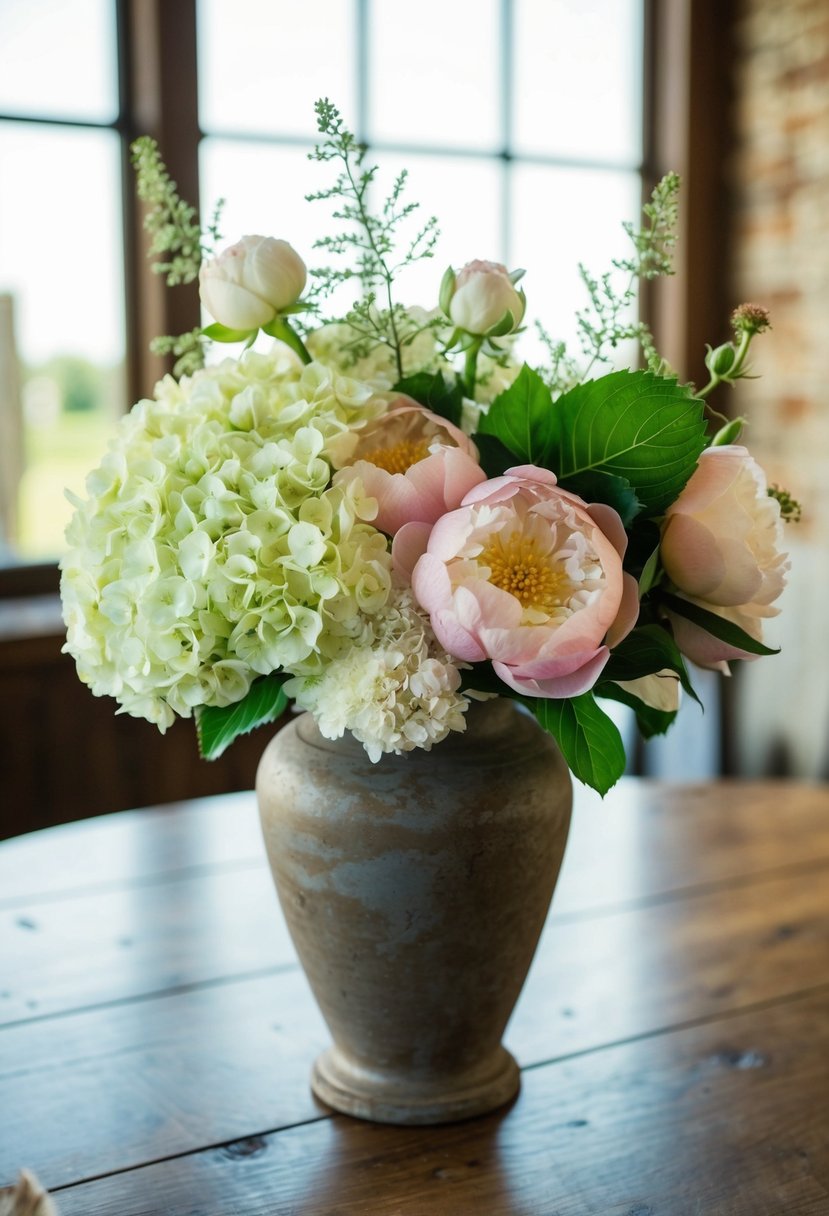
pixel 340 345
pixel 394 689
pixel 210 550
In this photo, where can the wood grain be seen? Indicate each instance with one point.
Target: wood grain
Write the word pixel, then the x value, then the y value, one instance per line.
pixel 726 1119
pixel 170 1022
pixel 594 981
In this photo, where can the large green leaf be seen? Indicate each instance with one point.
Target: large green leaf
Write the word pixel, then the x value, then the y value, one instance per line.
pixel 616 492
pixel 646 650
pixel 645 428
pixel 522 417
pixel 589 740
pixel 714 624
pixel 216 728
pixel 435 393
pixel 494 457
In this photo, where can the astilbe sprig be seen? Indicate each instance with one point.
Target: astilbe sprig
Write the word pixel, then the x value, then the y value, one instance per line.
pixel 374 241
pixel 606 323
pixel 178 244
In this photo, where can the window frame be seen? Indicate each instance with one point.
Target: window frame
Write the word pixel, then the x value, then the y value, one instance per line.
pixel 685 96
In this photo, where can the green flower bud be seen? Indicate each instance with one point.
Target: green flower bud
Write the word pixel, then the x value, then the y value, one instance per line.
pixel 729 433
pixel 721 360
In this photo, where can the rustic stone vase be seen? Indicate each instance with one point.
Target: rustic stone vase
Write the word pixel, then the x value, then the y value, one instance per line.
pixel 415 891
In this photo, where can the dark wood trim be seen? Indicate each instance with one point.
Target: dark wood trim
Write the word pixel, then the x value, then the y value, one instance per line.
pixel 159 97
pixel 689 46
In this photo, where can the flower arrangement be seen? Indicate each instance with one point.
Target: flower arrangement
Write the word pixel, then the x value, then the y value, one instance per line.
pixel 386 514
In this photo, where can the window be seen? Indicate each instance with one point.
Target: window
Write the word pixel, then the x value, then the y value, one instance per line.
pixel 61 258
pixel 520 126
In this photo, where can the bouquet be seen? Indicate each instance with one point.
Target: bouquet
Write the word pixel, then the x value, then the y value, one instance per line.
pixel 385 514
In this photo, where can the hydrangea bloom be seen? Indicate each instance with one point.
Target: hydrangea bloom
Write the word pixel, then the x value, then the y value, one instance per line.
pixel 395 690
pixel 333 345
pixel 212 549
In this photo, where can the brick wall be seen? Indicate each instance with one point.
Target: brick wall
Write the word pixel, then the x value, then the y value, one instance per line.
pixel 779 178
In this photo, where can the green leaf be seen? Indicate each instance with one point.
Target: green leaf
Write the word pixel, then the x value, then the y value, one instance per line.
pixel 646 650
pixel 523 418
pixel 644 428
pixel 615 491
pixel 494 458
pixel 725 630
pixel 650 573
pixel 589 740
pixel 221 333
pixel 649 720
pixel 217 728
pixel 435 393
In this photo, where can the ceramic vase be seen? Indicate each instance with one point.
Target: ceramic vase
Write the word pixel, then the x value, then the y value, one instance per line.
pixel 415 890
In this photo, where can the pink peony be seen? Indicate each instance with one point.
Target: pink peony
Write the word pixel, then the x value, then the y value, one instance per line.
pixel 529 576
pixel 416 464
pixel 720 549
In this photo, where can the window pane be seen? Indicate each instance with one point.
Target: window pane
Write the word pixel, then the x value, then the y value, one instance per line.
pixel 577 73
pixel 58 59
pixel 263 64
pixel 435 73
pixel 465 195
pixel 561 217
pixel 264 187
pixel 61 265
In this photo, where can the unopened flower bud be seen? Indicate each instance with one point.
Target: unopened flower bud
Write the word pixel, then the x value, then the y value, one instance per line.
pixel 251 282
pixel 482 299
pixel 729 433
pixel 721 360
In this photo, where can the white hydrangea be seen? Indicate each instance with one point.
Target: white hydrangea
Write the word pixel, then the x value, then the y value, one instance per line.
pixel 333 346
pixel 211 549
pixel 395 688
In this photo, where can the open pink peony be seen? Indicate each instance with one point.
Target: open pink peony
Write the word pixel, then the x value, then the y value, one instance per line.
pixel 416 464
pixel 529 576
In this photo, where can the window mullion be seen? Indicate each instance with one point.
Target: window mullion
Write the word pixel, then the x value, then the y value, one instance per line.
pixel 159 97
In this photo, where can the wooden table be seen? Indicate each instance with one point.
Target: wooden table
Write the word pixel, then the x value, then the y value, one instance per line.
pixel 674 1031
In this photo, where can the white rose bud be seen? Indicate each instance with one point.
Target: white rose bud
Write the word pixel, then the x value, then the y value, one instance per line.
pixel 482 299
pixel 249 283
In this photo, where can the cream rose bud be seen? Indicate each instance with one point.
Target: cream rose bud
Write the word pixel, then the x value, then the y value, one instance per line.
pixel 721 549
pixel 483 295
pixel 250 282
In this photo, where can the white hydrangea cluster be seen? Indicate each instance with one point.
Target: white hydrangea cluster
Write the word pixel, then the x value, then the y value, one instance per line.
pixel 333 345
pixel 395 690
pixel 211 548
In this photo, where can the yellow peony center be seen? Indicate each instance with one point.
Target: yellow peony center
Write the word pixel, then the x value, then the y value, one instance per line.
pixel 400 457
pixel 517 566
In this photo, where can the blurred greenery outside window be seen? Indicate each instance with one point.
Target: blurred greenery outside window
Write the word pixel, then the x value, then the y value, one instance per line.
pixel 519 158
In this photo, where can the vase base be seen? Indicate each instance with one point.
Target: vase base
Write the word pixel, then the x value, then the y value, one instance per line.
pixel 366 1094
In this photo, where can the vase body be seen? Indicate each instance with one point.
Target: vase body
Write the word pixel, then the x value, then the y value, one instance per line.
pixel 415 891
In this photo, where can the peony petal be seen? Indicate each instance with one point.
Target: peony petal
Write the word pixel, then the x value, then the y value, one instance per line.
pixel 430 583
pixel 455 639
pixel 691 556
pixel 610 524
pixel 234 306
pixel 716 472
pixel 628 613
pixel 408 547
pixel 571 685
pixel 703 648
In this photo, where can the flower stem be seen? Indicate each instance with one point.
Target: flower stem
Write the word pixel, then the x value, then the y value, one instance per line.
pixel 285 332
pixel 734 372
pixel 470 369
